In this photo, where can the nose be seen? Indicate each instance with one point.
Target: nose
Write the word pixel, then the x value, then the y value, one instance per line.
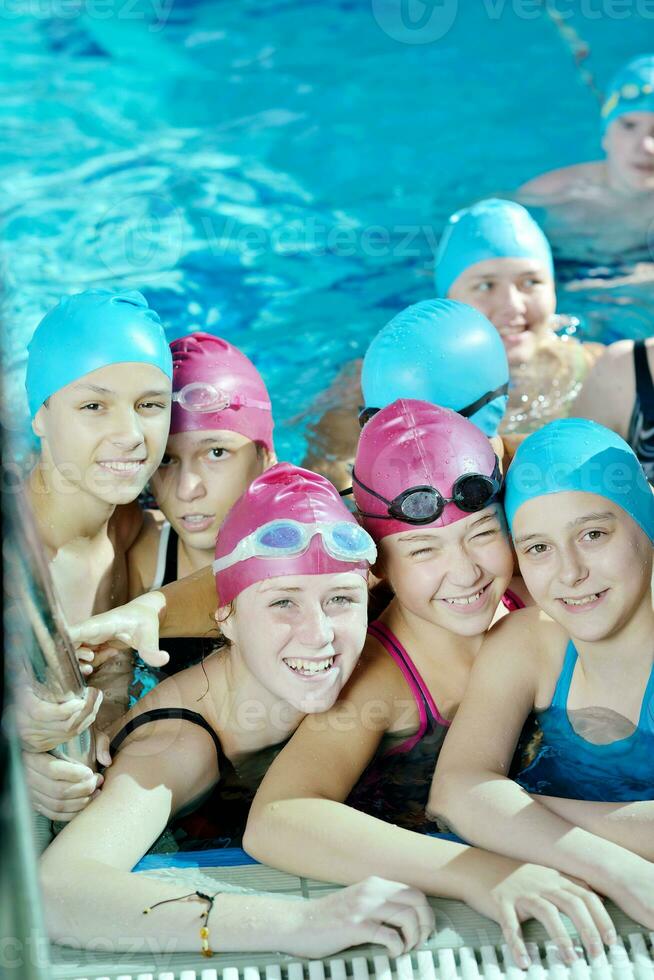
pixel 511 301
pixel 572 569
pixel 648 143
pixel 463 571
pixel 128 433
pixel 316 630
pixel 189 485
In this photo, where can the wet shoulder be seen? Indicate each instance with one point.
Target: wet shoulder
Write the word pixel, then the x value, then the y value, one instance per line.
pixel 376 675
pixel 534 639
pixel 563 182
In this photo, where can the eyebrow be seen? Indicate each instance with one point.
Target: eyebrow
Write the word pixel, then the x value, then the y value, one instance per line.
pixel 155 393
pixel 598 516
pixel 487 517
pixel 412 538
pixel 296 588
pixel 212 440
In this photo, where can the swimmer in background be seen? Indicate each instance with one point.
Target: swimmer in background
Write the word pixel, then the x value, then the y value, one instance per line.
pixel 220 439
pixel 99 388
pixel 494 256
pixel 619 393
pixel 581 515
pixel 291 569
pixel 438 351
pixel 348 795
pixel 605 209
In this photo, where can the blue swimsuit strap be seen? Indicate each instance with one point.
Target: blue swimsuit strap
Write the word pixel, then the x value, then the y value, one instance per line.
pixel 562 690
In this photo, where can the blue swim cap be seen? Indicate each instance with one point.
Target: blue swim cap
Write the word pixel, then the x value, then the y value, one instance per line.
pixel 88 331
pixel 576 454
pixel 631 90
pixel 442 352
pixel 490 229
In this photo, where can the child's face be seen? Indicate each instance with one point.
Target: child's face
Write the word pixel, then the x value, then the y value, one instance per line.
pixel 517 296
pixel 453 576
pixel 301 635
pixel 105 433
pixel 629 146
pixel 200 477
pixel 587 564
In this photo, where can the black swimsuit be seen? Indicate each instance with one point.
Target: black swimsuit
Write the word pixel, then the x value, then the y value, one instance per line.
pixel 219 819
pixel 641 426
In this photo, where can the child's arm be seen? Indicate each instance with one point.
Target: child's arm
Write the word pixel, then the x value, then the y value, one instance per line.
pixel 471 789
pixel 609 391
pixel 630 825
pixel 90 892
pixel 299 823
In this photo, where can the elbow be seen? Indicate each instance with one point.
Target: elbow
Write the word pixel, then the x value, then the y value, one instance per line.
pixel 259 833
pixel 444 796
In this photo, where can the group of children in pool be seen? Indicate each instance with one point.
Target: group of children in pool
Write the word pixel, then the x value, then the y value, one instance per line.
pixel 336 724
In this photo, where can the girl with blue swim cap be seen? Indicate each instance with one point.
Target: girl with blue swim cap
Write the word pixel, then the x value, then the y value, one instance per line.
pixel 494 256
pixel 581 514
pixel 439 351
pixel 604 209
pixel 98 384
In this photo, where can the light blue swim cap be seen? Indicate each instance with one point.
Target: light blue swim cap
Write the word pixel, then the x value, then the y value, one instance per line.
pixel 490 229
pixel 442 352
pixel 631 90
pixel 91 330
pixel 576 454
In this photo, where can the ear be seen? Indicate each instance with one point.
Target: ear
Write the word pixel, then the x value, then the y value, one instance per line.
pixel 38 426
pixel 269 459
pixel 225 621
pixel 498 446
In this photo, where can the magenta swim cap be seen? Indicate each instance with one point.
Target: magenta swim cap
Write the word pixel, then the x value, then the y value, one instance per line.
pixel 202 358
pixel 282 492
pixel 409 444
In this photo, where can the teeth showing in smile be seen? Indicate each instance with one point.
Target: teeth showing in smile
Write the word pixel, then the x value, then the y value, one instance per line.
pixel 582 602
pixel 310 666
pixel 195 518
pixel 466 600
pixel 129 466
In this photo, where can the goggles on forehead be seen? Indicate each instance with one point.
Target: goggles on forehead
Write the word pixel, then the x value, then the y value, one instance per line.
pixel 342 540
pixel 471 492
pixel 367 413
pixel 200 396
pixel 628 91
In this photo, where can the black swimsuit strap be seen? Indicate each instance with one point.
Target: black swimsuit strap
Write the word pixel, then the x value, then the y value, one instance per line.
pixel 159 714
pixel 170 570
pixel 644 382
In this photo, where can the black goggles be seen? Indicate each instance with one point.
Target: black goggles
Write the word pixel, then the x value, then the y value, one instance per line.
pixel 367 413
pixel 471 492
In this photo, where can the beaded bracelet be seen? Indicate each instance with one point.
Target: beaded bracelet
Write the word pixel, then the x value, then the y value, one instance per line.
pixel 204 928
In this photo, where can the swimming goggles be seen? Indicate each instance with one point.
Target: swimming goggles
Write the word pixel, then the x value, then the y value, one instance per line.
pixel 471 492
pixel 200 396
pixel 367 413
pixel 342 540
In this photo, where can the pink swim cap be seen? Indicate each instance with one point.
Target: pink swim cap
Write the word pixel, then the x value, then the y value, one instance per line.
pixel 201 357
pixel 283 491
pixel 409 444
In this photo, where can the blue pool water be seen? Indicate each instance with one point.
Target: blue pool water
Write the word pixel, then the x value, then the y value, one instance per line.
pixel 276 171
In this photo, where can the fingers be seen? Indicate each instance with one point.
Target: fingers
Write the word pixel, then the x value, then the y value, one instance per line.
pixel 102 753
pixel 549 916
pixel 385 936
pixel 510 926
pixel 424 912
pixel 592 921
pixel 85 660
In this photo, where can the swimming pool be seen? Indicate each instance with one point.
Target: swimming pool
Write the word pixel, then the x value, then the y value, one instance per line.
pixel 275 171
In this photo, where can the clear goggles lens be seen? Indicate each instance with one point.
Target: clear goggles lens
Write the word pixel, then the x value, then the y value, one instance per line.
pixel 342 540
pixel 199 396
